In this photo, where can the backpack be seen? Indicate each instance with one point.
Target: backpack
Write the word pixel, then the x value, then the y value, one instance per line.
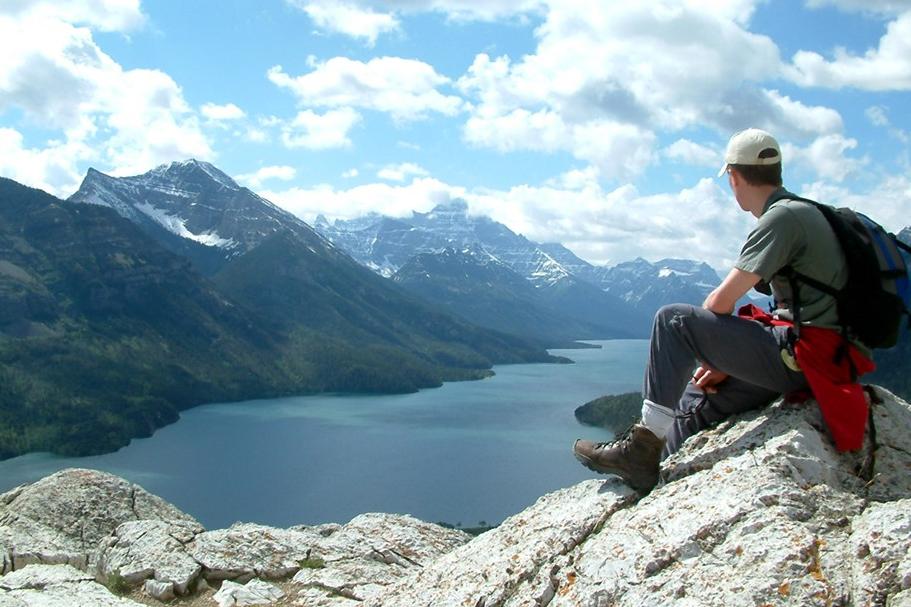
pixel 877 294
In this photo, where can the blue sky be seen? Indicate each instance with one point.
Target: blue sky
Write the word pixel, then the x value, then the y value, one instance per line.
pixel 598 124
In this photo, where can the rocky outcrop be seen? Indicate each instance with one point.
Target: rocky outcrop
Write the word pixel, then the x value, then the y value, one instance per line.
pixel 62 518
pixel 758 511
pixel 105 533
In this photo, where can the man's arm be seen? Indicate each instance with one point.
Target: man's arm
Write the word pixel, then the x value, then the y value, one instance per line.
pixel 735 285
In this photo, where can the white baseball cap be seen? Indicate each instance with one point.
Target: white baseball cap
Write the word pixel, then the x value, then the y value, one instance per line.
pixel 751 147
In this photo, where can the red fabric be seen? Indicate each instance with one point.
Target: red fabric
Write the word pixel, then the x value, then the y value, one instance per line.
pixel 841 400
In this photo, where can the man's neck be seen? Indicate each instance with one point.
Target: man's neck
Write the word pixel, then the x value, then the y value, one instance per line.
pixel 756 198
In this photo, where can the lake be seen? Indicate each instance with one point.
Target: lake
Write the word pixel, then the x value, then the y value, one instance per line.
pixel 461 454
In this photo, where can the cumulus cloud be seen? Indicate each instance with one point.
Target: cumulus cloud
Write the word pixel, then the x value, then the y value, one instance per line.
pixel 320 131
pixel 104 15
pixel 349 18
pixel 639 78
pixel 404 88
pixel 421 194
pixel 55 73
pixel 889 202
pixel 216 112
pixel 826 156
pixel 879 7
pixel 885 68
pixel 54 169
pixel 255 180
pixel 689 152
pixel 368 19
pixel 400 172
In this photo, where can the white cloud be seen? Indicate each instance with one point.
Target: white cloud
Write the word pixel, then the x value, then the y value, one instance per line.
pixel 465 10
pixel 880 7
pixel 885 68
pixel 60 79
pixel 350 174
pixel 826 156
pixel 400 172
pixel 639 77
pixel 366 20
pixel 53 168
pixel 394 200
pixel 789 116
pixel 348 18
pixel 889 203
pixel 404 88
pixel 256 135
pixel 621 151
pixel 216 112
pixel 878 115
pixel 689 152
pixel 577 179
pixel 612 226
pixel 255 180
pixel 104 15
pixel 320 131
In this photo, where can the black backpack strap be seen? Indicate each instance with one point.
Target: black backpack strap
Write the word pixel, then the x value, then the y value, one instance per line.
pixel 795 278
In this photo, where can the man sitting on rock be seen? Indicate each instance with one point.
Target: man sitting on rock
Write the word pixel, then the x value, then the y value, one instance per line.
pixel 741 364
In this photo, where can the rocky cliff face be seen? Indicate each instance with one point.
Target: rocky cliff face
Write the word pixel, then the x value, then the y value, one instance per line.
pixel 758 511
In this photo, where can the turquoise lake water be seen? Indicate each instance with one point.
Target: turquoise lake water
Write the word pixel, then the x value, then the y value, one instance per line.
pixel 463 453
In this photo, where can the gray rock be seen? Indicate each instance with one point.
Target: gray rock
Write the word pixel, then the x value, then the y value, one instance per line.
pixel 245 551
pixel 359 560
pixel 36 577
pixel 254 592
pixel 142 550
pixel 61 518
pixel 163 591
pixel 55 586
pixel 516 557
pixel 881 543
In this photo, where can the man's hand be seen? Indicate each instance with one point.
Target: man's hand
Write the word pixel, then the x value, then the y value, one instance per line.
pixel 706 378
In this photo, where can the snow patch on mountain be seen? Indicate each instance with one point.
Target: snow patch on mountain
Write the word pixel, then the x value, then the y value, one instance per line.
pixel 175 224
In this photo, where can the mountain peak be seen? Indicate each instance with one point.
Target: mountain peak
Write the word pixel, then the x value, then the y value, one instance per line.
pixel 194 168
pixel 454 207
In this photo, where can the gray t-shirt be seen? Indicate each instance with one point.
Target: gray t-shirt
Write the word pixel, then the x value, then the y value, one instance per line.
pixel 796 233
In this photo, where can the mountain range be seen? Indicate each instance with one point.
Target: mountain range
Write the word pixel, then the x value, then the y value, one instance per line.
pixel 142 296
pixel 568 297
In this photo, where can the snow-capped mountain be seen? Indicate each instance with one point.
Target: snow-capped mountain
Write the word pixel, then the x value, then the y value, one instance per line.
pixel 338 318
pixel 473 284
pixel 386 244
pixel 194 209
pixel 651 285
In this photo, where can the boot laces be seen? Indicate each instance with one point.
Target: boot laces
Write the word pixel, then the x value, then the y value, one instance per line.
pixel 620 439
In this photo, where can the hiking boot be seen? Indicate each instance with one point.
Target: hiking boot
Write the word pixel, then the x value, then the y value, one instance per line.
pixel 634 457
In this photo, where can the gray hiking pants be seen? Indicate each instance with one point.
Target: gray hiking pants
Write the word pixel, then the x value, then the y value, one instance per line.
pixel 748 351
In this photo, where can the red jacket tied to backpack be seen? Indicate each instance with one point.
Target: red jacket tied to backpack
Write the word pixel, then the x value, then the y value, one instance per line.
pixel 832 377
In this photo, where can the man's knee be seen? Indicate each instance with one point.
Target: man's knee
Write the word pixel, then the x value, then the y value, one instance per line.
pixel 668 313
